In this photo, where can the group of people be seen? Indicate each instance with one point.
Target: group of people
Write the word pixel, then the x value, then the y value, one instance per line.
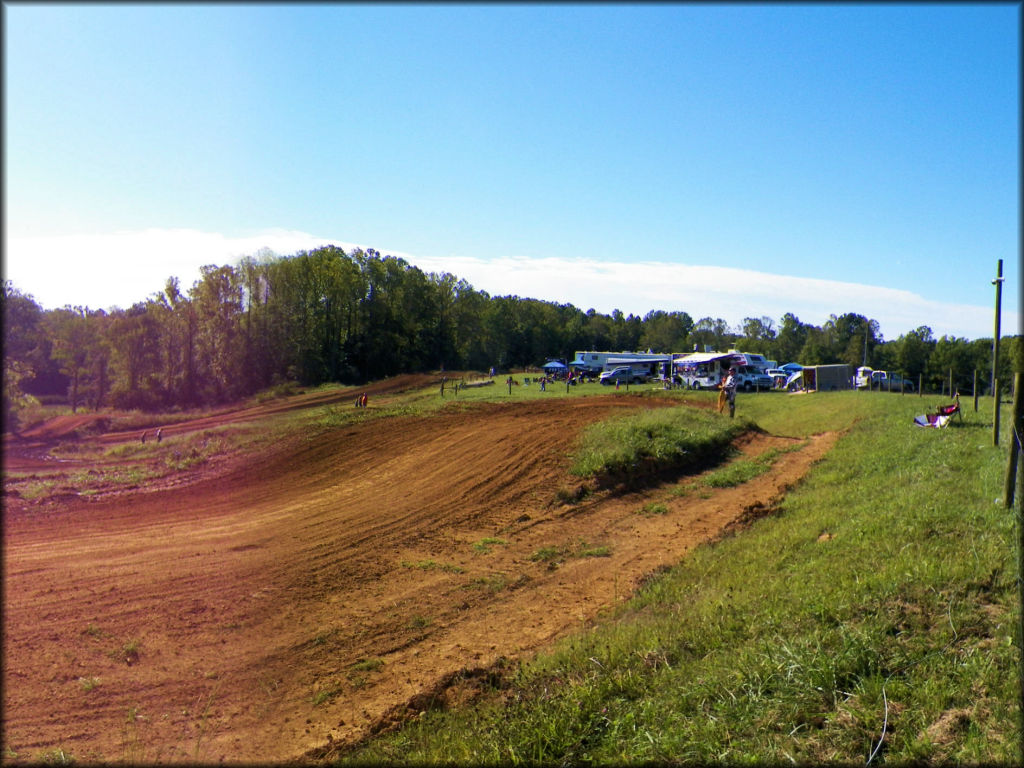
pixel 727 393
pixel 361 401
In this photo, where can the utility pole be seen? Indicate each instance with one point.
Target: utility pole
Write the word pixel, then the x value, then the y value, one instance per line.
pixel 998 283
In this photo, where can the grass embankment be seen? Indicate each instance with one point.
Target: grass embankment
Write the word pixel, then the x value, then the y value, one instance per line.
pixel 871 620
pixel 653 440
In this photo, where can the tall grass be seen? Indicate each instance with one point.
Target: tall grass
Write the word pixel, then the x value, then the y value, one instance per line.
pixel 654 439
pixel 871 621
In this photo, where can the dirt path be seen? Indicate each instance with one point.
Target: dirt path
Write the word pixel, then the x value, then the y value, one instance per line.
pixel 311 597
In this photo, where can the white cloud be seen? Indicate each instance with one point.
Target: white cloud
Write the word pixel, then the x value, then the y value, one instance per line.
pixel 717 292
pixel 119 269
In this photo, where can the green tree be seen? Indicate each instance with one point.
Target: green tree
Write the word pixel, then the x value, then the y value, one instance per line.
pixel 950 355
pixel 23 341
pixel 132 344
pixel 217 300
pixel 758 334
pixel 714 333
pixel 666 331
pixel 912 351
pixel 790 339
pixel 817 347
pixel 73 339
pixel 851 338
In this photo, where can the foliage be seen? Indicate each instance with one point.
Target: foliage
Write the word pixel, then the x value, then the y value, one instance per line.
pixel 653 440
pixel 330 316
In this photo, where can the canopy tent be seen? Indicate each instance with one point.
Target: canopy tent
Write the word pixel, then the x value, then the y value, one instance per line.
pixel 554 365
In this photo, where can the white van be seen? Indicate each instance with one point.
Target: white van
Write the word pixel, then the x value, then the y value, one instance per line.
pixel 862 378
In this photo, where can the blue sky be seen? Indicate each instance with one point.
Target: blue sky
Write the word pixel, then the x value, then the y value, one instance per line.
pixel 726 160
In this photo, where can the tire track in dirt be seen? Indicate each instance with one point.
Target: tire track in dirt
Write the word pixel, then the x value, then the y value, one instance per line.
pixel 307 598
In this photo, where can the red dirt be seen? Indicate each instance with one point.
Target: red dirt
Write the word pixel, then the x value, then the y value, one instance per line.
pixel 227 620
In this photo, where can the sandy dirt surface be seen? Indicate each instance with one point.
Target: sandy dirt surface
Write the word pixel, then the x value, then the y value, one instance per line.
pixel 319 593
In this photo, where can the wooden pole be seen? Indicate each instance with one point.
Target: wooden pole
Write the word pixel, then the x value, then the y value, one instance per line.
pixel 975 390
pixel 998 283
pixel 1015 433
pixel 995 419
pixel 1020 566
pixel 1020 591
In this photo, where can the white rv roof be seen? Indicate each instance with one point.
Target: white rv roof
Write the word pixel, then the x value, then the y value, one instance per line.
pixel 645 359
pixel 704 357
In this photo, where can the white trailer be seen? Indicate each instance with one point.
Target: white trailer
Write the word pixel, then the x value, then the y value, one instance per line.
pixel 593 363
pixel 704 370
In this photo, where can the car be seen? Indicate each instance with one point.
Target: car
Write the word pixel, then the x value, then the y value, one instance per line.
pixel 622 375
pixel 779 377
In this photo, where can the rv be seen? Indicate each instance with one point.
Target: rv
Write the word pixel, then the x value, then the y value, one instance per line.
pixel 595 363
pixel 749 358
pixel 704 370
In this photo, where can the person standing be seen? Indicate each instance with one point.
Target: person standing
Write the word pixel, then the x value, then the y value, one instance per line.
pixel 729 391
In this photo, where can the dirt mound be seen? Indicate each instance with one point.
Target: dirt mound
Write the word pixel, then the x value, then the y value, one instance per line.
pixel 61 426
pixel 314 596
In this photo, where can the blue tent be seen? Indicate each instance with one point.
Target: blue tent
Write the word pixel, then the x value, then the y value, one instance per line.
pixel 554 365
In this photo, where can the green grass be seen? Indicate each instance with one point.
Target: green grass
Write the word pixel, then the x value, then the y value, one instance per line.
pixel 368 665
pixel 433 565
pixel 655 439
pixel 742 471
pixel 881 600
pixel 37 489
pixel 88 683
pixel 556 554
pixel 653 508
pixel 325 695
pixel 485 545
pixel 131 649
pixel 497 582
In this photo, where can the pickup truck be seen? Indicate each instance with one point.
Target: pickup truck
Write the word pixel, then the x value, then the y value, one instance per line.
pixel 886 381
pixel 623 375
pixel 749 378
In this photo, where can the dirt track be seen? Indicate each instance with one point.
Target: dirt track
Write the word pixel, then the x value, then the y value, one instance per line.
pixel 312 596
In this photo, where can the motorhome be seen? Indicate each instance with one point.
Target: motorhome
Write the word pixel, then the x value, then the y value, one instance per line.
pixel 704 370
pixel 750 358
pixel 594 363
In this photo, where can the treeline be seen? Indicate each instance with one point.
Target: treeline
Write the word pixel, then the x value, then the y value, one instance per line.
pixel 330 316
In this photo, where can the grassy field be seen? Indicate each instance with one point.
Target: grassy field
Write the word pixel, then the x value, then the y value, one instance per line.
pixel 872 620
